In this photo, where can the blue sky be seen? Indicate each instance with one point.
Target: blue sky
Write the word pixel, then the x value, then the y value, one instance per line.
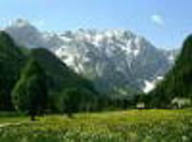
pixel 164 22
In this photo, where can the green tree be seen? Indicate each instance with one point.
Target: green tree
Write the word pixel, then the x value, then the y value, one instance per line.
pixel 71 101
pixel 30 92
pixel 78 100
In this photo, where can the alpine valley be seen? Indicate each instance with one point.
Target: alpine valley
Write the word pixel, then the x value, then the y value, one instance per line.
pixel 119 62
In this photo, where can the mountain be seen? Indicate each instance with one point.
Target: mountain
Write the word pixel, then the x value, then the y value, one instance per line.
pixel 12 60
pixel 60 78
pixel 60 75
pixel 178 81
pixel 118 61
pixel 25 34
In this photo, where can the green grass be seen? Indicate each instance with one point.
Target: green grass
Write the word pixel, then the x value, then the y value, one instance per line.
pixel 11 117
pixel 120 126
pixel 13 120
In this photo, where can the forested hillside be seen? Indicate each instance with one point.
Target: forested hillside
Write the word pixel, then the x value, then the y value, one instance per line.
pixel 60 78
pixel 11 62
pixel 178 82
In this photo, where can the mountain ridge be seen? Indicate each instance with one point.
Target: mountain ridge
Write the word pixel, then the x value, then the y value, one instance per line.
pixel 115 60
pixel 58 76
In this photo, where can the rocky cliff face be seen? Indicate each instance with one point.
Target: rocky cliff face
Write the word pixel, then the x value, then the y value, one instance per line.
pixel 118 61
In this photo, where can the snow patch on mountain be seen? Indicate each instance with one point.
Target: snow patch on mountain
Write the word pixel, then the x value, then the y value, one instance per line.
pixel 114 59
pixel 150 85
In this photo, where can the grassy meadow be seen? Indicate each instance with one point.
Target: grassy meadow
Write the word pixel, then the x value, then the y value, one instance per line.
pixel 119 126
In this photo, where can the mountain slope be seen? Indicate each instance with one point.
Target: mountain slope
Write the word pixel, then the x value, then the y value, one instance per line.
pixel 60 75
pixel 13 59
pixel 178 82
pixel 11 62
pixel 118 61
pixel 22 32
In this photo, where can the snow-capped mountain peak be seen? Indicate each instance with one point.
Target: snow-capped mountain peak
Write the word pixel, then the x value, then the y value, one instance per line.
pixel 20 23
pixel 111 58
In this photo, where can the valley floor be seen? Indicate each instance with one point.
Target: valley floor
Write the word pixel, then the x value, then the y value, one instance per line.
pixel 119 126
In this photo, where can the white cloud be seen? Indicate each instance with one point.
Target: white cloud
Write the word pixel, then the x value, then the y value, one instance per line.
pixel 158 19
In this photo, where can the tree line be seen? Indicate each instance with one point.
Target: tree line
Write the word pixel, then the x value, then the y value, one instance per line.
pixel 36 82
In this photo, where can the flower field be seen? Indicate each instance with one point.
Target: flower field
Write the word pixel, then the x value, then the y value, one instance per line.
pixel 119 126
